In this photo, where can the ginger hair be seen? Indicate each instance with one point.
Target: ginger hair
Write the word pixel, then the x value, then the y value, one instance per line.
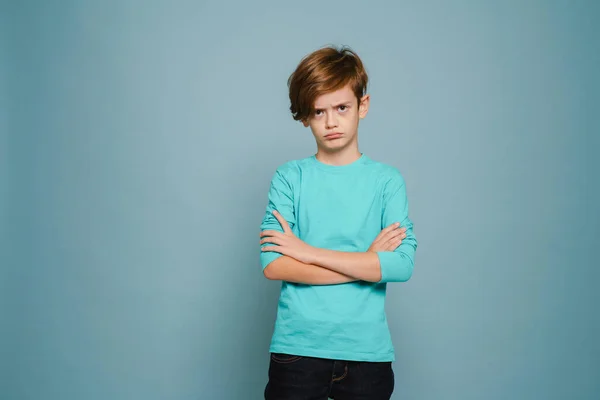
pixel 323 71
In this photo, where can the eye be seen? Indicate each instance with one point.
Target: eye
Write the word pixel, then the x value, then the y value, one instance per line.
pixel 318 112
pixel 343 108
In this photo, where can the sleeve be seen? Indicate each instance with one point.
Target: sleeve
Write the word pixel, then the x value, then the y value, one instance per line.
pixel 397 266
pixel 280 198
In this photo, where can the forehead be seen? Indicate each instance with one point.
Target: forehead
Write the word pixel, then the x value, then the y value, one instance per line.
pixel 339 96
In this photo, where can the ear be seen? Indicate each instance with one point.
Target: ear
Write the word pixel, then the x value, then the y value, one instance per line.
pixel 363 107
pixel 305 122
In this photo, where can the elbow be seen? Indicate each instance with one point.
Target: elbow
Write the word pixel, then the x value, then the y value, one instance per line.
pixel 406 276
pixel 397 273
pixel 396 279
pixel 396 266
pixel 275 270
pixel 406 271
pixel 271 267
pixel 270 273
pixel 267 273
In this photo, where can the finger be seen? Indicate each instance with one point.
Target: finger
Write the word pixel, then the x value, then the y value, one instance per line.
pixel 390 228
pixel 282 221
pixel 392 234
pixel 393 245
pixel 276 249
pixel 270 234
pixel 396 232
pixel 382 235
pixel 389 244
pixel 400 234
pixel 272 240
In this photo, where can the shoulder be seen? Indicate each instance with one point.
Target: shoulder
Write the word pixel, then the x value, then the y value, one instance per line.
pixel 295 167
pixel 290 168
pixel 291 171
pixel 388 174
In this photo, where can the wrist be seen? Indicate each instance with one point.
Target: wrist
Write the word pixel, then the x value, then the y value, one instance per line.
pixel 316 256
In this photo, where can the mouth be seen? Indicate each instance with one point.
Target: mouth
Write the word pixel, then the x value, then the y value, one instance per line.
pixel 332 136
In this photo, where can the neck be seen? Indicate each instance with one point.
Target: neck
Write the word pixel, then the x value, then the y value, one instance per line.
pixel 340 157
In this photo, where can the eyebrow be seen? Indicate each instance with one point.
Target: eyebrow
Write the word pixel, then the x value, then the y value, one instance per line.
pixel 343 103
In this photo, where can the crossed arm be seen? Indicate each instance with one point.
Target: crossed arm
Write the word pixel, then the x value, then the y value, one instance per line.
pixel 302 263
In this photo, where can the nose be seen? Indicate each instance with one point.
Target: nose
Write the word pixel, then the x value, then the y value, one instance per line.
pixel 331 121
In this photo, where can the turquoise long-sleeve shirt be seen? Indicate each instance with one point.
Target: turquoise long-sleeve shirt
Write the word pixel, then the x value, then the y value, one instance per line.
pixel 340 208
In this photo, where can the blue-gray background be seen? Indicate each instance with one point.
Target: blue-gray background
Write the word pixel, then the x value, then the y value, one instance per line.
pixel 138 141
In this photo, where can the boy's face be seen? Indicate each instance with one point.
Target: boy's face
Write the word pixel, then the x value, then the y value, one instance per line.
pixel 335 120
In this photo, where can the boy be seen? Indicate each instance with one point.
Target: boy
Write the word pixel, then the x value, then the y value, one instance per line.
pixel 336 230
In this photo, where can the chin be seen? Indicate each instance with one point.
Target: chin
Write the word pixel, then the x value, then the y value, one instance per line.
pixel 334 148
pixel 332 144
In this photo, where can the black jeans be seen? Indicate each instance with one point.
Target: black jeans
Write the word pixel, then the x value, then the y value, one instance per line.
pixel 307 378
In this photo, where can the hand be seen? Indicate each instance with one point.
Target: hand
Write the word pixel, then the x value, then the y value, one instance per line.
pixel 287 243
pixel 388 239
